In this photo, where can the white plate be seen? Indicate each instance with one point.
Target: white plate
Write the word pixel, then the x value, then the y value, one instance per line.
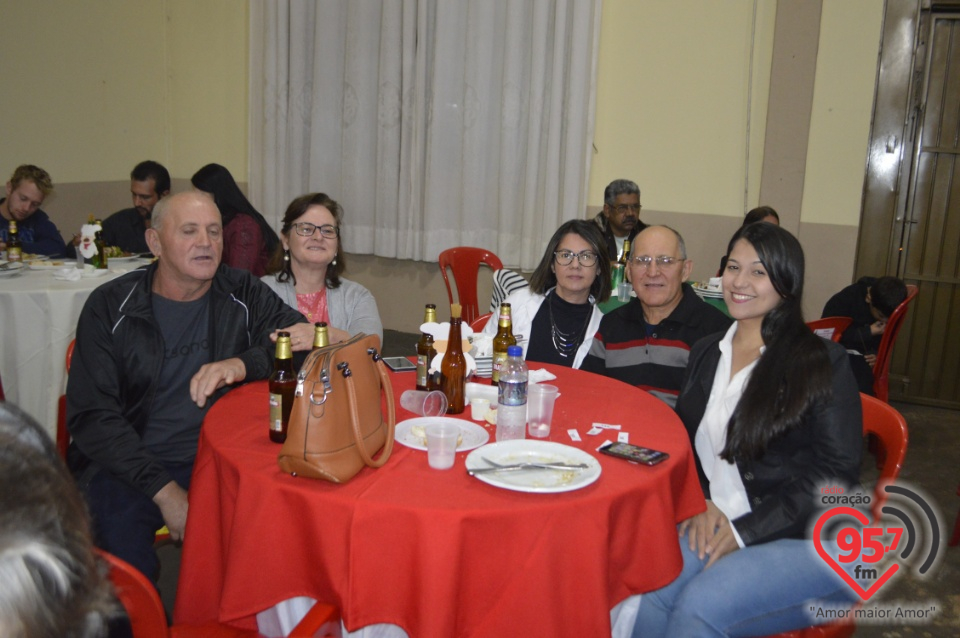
pixel 473 435
pixel 50 264
pixel 111 260
pixel 11 271
pixel 533 451
pixel 34 257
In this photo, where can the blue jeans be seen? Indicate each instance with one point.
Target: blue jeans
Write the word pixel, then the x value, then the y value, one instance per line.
pixel 758 590
pixel 125 520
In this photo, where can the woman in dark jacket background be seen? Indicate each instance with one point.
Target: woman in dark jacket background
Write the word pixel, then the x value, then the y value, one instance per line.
pixel 248 240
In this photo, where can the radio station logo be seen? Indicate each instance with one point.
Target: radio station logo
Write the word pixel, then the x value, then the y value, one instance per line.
pixel 871 553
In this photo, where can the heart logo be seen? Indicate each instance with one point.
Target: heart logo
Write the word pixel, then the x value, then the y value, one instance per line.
pixel 865 594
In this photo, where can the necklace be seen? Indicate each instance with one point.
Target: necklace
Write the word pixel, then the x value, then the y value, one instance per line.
pixel 566 343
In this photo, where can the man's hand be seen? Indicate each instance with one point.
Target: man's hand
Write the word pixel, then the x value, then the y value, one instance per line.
pixel 710 534
pixel 213 376
pixel 871 359
pixel 876 328
pixel 172 501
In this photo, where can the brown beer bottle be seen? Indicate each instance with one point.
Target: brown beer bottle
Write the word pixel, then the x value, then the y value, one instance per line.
pixel 14 249
pixel 282 384
pixel 100 259
pixel 426 352
pixel 320 337
pixel 501 341
pixel 625 255
pixel 453 366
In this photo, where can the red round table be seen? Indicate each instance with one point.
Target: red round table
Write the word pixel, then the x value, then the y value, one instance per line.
pixel 438 553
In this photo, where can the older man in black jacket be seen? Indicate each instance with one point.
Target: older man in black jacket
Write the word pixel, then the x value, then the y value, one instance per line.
pixel 154 349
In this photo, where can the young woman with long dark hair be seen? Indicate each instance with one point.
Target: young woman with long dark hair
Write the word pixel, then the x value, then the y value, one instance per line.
pixel 773 415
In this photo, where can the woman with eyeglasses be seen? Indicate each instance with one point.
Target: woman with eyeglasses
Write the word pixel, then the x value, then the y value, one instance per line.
pixel 557 315
pixel 774 418
pixel 305 271
pixel 248 240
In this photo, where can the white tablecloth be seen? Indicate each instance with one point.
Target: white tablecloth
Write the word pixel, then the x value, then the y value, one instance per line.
pixel 38 320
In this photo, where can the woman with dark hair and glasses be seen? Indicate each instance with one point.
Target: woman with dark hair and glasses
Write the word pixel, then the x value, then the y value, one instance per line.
pixel 557 316
pixel 774 417
pixel 248 240
pixel 305 271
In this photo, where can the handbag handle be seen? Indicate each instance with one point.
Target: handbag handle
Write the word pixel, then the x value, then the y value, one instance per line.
pixel 387 387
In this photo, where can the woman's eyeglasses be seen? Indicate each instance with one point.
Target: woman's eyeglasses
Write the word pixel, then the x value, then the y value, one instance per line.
pixel 306 229
pixel 586 258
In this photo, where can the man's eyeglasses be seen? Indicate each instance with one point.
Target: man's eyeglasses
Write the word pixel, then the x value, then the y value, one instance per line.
pixel 306 229
pixel 664 261
pixel 565 257
pixel 623 208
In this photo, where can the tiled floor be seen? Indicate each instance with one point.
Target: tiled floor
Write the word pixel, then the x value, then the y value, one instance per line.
pixel 932 464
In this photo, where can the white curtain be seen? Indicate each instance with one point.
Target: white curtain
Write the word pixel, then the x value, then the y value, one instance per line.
pixel 434 123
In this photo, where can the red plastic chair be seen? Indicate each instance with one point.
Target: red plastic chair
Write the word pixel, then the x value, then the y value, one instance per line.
pixel 2 397
pixel 481 321
pixel 465 262
pixel 889 427
pixel 830 327
pixel 148 620
pixel 881 369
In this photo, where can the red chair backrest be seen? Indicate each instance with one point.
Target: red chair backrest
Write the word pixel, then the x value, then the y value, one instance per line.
pixel 138 597
pixel 63 437
pixel 478 324
pixel 881 369
pixel 465 262
pixel 830 327
pixel 883 421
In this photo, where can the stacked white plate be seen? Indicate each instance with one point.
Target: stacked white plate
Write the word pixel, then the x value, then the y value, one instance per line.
pixel 707 292
pixel 484 366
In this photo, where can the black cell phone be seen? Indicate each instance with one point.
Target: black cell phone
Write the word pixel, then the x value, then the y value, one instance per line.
pixel 399 364
pixel 635 453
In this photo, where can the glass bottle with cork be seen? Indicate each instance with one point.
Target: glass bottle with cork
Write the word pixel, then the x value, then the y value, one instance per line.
pixel 321 337
pixel 453 366
pixel 14 247
pixel 501 341
pixel 426 352
pixel 282 384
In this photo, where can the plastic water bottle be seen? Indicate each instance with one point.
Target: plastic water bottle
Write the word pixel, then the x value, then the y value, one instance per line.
pixel 512 396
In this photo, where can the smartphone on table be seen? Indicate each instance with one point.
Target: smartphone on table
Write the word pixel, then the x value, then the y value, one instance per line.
pixel 635 453
pixel 399 364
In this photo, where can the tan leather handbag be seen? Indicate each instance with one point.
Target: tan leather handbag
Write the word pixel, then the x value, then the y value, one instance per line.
pixel 336 425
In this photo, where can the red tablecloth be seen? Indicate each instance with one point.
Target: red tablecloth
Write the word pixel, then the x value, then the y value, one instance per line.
pixel 437 552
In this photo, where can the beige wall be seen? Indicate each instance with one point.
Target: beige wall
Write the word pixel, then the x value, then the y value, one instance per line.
pixel 682 101
pixel 92 88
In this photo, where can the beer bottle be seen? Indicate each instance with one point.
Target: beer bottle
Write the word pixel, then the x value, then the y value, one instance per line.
pixel 282 384
pixel 320 337
pixel 426 352
pixel 14 249
pixel 100 259
pixel 501 341
pixel 625 255
pixel 453 366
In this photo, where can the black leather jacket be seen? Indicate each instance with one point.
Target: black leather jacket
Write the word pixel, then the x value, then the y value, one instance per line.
pixel 782 485
pixel 118 355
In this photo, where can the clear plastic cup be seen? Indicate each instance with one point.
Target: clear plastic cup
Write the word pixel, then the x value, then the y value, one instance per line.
pixel 424 402
pixel 478 408
pixel 623 290
pixel 442 444
pixel 540 400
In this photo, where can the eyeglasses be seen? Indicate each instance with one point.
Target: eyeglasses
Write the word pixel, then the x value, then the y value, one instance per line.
pixel 565 257
pixel 306 229
pixel 623 208
pixel 664 261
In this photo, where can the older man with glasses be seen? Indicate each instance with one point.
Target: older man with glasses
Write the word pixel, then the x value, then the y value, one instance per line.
pixel 620 218
pixel 647 342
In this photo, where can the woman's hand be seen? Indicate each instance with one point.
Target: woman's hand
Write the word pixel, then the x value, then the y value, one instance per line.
pixel 301 336
pixel 710 534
